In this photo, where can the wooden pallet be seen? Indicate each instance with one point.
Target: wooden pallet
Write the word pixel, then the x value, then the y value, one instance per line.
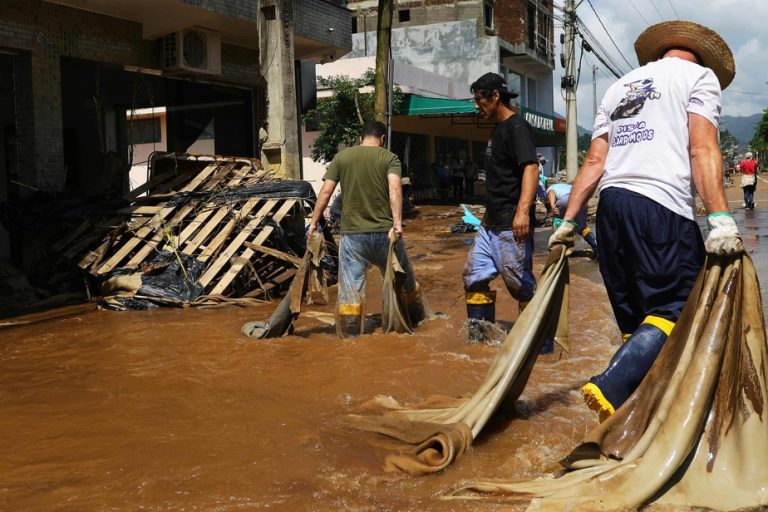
pixel 183 211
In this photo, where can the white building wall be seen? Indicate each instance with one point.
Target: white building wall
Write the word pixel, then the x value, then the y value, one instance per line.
pixel 452 49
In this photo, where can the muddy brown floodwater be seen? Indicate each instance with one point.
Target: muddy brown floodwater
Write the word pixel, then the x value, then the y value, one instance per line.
pixel 176 410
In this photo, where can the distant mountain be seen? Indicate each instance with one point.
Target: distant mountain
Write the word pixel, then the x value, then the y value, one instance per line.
pixel 742 128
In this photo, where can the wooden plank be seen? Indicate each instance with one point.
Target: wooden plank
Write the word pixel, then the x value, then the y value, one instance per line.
pixel 290 258
pixel 140 210
pixel 235 268
pixel 200 218
pixel 225 231
pixel 156 221
pixel 160 235
pixel 236 242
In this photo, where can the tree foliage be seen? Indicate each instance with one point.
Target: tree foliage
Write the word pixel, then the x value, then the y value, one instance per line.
pixel 340 117
pixel 759 143
pixel 729 147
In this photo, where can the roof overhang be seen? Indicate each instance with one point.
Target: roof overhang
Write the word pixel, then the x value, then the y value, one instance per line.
pixel 548 130
pixel 161 17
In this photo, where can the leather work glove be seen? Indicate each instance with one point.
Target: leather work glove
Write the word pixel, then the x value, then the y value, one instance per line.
pixel 564 235
pixel 724 238
pixel 556 222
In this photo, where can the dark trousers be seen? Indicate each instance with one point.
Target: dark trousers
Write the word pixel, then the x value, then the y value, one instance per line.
pixel 649 257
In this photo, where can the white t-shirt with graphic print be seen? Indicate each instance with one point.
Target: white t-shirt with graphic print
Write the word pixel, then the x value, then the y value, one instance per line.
pixel 645 115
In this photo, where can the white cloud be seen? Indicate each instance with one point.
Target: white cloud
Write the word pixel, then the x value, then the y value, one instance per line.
pixel 740 22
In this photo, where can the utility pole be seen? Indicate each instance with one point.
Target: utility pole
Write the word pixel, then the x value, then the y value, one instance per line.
pixel 569 84
pixel 383 42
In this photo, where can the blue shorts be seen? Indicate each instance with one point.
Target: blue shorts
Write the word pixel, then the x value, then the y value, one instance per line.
pixel 649 257
pixel 357 253
pixel 497 252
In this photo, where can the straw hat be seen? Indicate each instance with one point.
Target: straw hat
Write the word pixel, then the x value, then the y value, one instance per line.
pixel 706 43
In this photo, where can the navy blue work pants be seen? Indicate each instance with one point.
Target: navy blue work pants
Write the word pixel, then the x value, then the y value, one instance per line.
pixel 649 257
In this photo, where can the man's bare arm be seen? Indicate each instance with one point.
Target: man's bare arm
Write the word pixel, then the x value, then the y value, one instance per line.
pixel 707 163
pixel 396 202
pixel 322 201
pixel 521 224
pixel 588 178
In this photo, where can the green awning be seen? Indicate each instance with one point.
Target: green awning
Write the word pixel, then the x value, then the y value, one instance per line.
pixel 420 106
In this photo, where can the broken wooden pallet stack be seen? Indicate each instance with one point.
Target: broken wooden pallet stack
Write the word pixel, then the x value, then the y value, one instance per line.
pixel 223 212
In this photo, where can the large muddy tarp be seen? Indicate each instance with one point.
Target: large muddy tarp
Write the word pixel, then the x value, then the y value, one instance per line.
pixel 308 281
pixel 394 315
pixel 428 439
pixel 695 432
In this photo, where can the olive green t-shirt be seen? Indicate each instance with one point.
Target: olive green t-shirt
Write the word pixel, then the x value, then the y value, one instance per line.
pixel 362 172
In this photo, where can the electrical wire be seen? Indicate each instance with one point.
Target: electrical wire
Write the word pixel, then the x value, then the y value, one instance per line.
pixel 673 8
pixel 600 52
pixel 657 10
pixel 607 32
pixel 638 12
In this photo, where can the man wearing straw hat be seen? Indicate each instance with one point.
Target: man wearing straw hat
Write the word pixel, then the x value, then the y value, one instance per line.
pixel 654 145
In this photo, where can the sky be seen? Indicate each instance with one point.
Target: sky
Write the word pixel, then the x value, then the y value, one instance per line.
pixel 742 23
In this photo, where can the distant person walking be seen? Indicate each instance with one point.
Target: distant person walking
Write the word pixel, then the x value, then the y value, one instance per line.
pixel 748 180
pixel 457 179
pixel 470 175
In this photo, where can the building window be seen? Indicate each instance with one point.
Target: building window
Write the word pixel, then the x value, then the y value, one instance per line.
pixel 354 24
pixel 531 93
pixel 515 82
pixel 404 15
pixel 144 131
pixel 488 15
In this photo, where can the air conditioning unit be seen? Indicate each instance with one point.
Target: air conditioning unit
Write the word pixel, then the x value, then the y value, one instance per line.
pixel 192 51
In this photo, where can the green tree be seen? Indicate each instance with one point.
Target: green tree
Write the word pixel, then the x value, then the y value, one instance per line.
pixel 759 143
pixel 339 118
pixel 582 144
pixel 729 147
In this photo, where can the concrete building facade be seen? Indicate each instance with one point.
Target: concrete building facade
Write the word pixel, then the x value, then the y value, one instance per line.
pixel 72 71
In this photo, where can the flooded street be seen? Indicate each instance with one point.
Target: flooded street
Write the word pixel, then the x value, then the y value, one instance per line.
pixel 176 410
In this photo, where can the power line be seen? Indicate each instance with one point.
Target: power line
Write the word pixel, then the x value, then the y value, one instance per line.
pixel 609 34
pixel 746 92
pixel 657 11
pixel 673 8
pixel 600 52
pixel 638 12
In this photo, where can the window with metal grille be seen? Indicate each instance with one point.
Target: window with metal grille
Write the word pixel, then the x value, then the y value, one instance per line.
pixel 404 15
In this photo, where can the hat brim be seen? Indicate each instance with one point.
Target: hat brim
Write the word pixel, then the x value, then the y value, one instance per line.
pixel 706 43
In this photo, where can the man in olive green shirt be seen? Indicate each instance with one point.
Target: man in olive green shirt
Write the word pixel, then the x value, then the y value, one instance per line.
pixel 372 209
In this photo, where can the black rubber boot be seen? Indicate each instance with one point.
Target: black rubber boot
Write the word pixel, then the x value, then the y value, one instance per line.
pixel 606 392
pixel 481 310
